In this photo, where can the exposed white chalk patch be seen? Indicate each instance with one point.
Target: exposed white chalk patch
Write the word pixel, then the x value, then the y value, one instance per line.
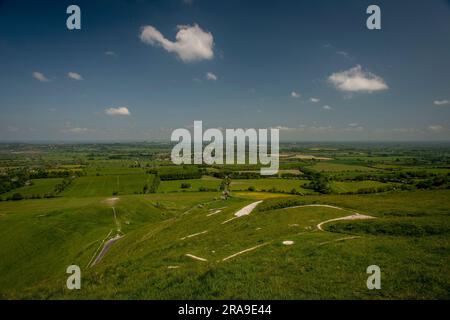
pixel 229 220
pixel 193 235
pixel 244 211
pixel 195 257
pixel 244 251
pixel 213 213
pixel 247 209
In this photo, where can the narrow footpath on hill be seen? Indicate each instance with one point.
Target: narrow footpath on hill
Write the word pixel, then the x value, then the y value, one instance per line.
pixel 108 244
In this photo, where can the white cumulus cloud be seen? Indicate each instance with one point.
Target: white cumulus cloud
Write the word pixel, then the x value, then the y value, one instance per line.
pixel 75 76
pixel 315 100
pixel 211 76
pixel 441 102
pixel 40 76
pixel 295 95
pixel 120 111
pixel 191 44
pixel 327 107
pixel 357 80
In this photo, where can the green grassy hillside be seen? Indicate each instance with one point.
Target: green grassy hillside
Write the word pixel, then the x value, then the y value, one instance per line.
pixel 40 238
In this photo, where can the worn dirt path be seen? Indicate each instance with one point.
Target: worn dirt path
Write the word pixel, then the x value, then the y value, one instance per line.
pixel 354 216
pixel 107 245
pixel 105 249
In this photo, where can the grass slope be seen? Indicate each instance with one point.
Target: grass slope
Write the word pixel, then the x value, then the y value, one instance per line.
pixel 41 238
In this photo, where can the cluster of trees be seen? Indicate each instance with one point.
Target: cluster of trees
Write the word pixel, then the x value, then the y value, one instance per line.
pixel 408 179
pixel 153 187
pixel 185 185
pixel 399 176
pixel 60 187
pixel 436 182
pixel 43 173
pixel 275 190
pixel 372 190
pixel 17 196
pixel 17 178
pixel 274 204
pixel 13 179
pixel 237 174
pixel 319 182
pixel 386 188
pixel 181 174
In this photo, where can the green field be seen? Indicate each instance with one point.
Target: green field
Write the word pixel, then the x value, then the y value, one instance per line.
pixel 107 185
pixel 353 186
pixel 195 185
pixel 284 185
pixel 39 187
pixel 338 167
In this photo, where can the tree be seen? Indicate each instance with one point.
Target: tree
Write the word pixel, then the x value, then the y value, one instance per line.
pixel 17 196
pixel 155 184
pixel 225 186
pixel 185 185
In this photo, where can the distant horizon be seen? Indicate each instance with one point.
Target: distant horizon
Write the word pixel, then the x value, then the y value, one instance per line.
pixel 170 142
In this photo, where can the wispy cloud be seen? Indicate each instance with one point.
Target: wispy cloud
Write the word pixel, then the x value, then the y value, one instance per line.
pixel 284 128
pixel 211 76
pixel 192 43
pixel 318 129
pixel 437 128
pixel 342 53
pixel 357 80
pixel 74 76
pixel 12 128
pixel 110 53
pixel 441 102
pixel 120 111
pixel 76 130
pixel 40 76
pixel 327 107
pixel 314 100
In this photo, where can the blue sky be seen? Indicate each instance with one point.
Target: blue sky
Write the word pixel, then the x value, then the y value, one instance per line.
pixel 310 68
